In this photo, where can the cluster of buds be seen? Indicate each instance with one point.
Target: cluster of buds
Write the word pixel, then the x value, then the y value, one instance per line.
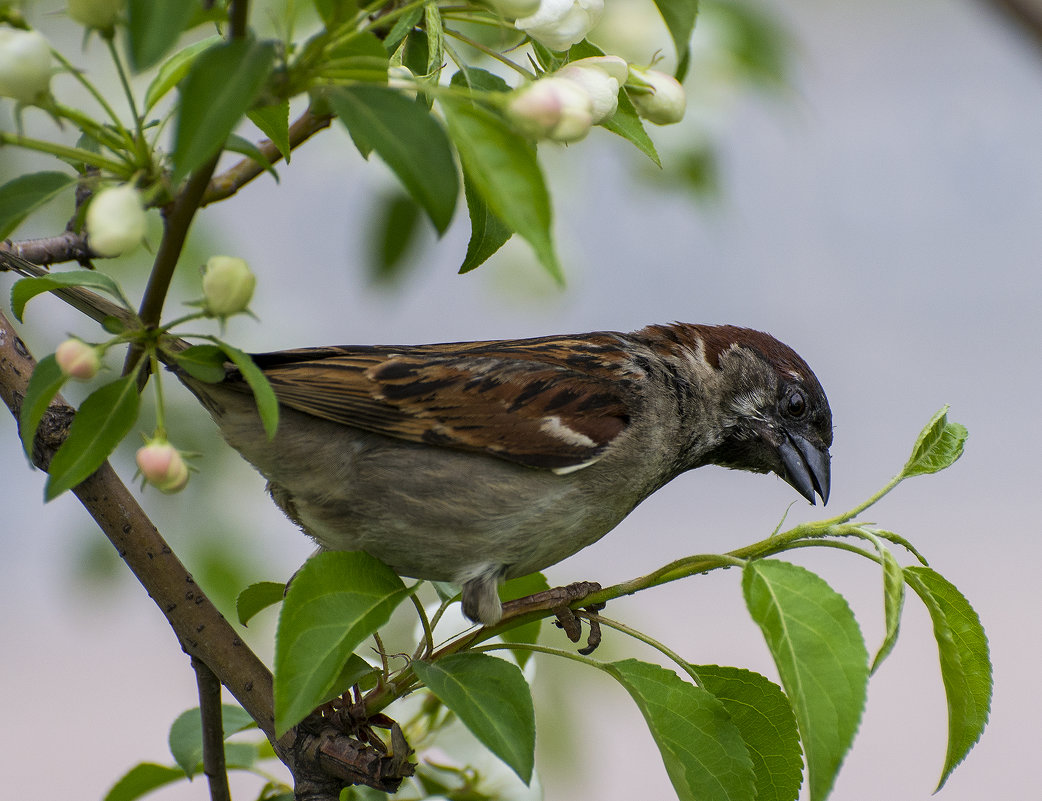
pixel 564 105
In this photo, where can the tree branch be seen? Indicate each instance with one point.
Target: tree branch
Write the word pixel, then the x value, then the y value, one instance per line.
pixel 322 758
pixel 213 731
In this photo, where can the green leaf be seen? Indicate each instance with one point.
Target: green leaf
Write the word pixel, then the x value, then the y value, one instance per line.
pixel 939 444
pixel 679 16
pixel 405 23
pixel 219 88
pixel 26 193
pixel 529 632
pixel 627 124
pixel 186 735
pixel 355 671
pixel 26 289
pixel 702 749
pixel 392 233
pixel 263 394
pixel 101 423
pixel 965 663
pixel 239 144
pixel 334 11
pixel 174 69
pixel 492 699
pixel 478 79
pixel 143 779
pixel 204 362
pixel 503 169
pixel 762 714
pixel 153 27
pixel 893 601
pixel 273 122
pixel 821 658
pixel 360 58
pixel 45 382
pixel 335 601
pixel 409 139
pixel 257 597
pixel 432 24
pixel 487 232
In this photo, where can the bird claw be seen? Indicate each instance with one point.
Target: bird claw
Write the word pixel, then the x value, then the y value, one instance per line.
pixel 559 600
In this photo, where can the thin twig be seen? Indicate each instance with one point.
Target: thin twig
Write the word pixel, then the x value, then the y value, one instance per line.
pixel 213 731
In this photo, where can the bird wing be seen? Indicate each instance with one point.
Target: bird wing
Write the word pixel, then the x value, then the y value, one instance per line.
pixel 550 403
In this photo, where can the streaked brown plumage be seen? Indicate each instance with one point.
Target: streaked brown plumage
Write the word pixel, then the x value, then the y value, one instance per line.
pixel 477 461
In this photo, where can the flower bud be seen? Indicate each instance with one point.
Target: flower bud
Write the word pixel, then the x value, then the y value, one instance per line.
pixel 115 221
pixel 101 14
pixel 512 9
pixel 601 77
pixel 25 65
pixel 552 108
pixel 162 465
pixel 227 286
pixel 665 103
pixel 558 24
pixel 77 359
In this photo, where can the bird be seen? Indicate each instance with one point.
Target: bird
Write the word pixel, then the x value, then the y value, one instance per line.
pixel 477 462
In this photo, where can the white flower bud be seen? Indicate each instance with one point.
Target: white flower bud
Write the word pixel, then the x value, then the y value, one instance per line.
pixel 77 359
pixel 552 108
pixel 665 103
pixel 512 9
pixel 227 286
pixel 601 77
pixel 115 221
pixel 101 14
pixel 162 466
pixel 25 65
pixel 558 24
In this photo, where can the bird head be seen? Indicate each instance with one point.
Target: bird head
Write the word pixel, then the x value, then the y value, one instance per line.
pixel 774 412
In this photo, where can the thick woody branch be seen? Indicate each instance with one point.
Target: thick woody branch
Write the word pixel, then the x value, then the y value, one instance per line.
pixel 238 175
pixel 322 758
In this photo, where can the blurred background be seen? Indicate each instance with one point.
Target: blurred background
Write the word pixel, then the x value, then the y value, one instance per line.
pixel 864 181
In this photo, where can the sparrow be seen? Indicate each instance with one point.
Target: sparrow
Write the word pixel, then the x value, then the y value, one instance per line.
pixel 476 462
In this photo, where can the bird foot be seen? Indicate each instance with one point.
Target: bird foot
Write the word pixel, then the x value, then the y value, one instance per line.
pixel 559 600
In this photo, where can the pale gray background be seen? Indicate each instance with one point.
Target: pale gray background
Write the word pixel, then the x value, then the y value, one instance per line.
pixel 884 219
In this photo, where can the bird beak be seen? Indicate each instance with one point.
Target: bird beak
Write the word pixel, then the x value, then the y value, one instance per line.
pixel 806 466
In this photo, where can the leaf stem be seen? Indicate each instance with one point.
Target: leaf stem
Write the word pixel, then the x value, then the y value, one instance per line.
pixel 93 91
pixel 65 152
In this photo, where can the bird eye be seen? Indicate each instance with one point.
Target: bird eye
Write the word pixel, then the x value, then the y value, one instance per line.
pixel 796 404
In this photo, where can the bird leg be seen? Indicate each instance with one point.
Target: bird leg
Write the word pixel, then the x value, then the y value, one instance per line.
pixel 559 600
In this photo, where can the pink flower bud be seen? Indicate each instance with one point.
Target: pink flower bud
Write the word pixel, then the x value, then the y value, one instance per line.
pixel 115 221
pixel 162 466
pixel 659 97
pixel 552 108
pixel 25 65
pixel 77 359
pixel 227 285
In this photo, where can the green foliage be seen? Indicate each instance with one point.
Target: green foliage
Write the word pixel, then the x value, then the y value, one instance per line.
pixel 45 383
pixel 409 139
pixel 153 28
pixel 101 423
pixel 760 711
pixel 258 597
pixel 502 168
pixel 28 288
pixel 219 88
pixel 492 698
pixel 263 394
pixel 21 196
pixel 703 752
pixel 937 447
pixel 821 658
pixel 965 663
pixel 334 602
pixel 186 735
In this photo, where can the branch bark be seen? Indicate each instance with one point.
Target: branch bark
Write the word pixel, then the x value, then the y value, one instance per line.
pixel 322 758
